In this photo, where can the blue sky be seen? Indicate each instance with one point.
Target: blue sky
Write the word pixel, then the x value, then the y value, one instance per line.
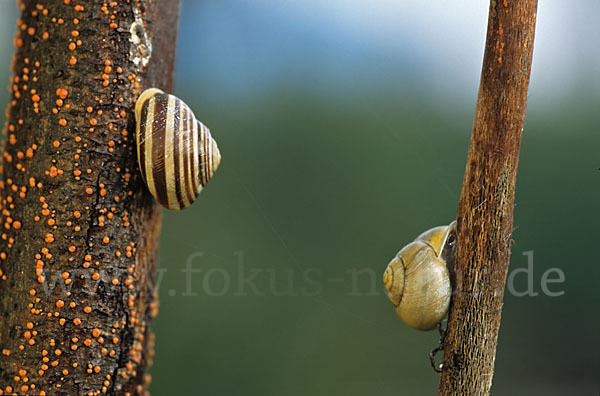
pixel 252 44
pixel 249 46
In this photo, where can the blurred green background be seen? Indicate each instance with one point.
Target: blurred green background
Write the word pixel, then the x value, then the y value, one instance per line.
pixel 344 127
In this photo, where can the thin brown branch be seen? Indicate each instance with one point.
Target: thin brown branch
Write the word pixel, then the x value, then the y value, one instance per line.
pixel 79 230
pixel 485 211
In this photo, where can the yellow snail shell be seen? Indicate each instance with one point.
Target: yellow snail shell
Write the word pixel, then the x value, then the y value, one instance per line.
pixel 417 280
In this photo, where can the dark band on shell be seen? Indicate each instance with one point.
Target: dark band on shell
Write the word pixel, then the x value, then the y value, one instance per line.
pixel 177 155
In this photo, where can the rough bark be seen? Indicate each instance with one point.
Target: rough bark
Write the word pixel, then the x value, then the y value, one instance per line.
pixel 79 237
pixel 485 211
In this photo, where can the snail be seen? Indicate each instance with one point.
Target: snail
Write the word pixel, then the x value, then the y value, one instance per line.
pixel 176 153
pixel 417 280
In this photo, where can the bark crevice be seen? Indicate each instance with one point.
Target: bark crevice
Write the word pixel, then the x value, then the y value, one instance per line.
pixel 78 246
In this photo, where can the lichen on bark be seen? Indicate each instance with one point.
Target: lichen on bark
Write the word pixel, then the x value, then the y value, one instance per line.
pixel 78 246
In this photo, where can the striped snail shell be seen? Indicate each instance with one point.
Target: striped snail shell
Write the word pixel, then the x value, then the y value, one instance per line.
pixel 176 153
pixel 417 280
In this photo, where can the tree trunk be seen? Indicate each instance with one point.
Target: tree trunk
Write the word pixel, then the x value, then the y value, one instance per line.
pixel 78 248
pixel 485 211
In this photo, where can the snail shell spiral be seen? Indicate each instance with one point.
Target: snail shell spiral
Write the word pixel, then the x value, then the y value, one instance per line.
pixel 176 153
pixel 417 280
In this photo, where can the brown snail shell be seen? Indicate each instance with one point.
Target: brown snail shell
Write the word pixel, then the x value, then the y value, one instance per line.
pixel 177 155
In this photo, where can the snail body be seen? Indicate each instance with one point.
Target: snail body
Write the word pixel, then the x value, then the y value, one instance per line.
pixel 176 153
pixel 417 280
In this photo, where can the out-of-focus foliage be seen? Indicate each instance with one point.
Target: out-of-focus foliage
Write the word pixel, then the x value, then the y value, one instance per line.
pixel 332 161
